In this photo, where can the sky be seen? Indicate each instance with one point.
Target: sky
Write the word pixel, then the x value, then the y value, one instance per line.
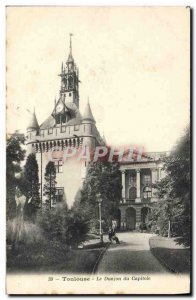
pixel 133 62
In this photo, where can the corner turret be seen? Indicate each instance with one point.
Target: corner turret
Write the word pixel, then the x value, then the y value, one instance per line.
pixel 88 116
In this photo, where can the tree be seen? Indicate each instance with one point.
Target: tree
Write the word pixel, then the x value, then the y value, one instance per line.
pixel 174 192
pixel 50 184
pixel 63 226
pixel 14 155
pixel 102 178
pixel 31 186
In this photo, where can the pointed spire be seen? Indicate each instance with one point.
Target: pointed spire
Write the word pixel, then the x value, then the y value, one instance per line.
pixel 70 57
pixel 33 124
pixel 70 43
pixel 62 67
pixel 88 113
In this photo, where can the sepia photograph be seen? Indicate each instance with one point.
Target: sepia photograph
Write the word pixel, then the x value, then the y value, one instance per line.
pixel 98 150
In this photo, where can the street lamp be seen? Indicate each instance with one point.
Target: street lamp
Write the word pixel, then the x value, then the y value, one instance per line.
pixel 99 200
pixel 37 141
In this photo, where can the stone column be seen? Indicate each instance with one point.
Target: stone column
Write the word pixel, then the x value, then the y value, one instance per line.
pixel 154 174
pixel 123 185
pixel 159 173
pixel 123 218
pixel 138 199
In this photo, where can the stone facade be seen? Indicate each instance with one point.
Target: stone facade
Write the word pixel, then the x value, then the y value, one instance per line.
pixel 138 195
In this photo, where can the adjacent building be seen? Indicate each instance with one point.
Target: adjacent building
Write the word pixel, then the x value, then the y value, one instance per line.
pixel 138 194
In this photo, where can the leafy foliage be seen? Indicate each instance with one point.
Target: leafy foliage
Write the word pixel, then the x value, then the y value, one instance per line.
pixel 50 184
pixel 31 186
pixel 62 225
pixel 14 155
pixel 102 178
pixel 174 193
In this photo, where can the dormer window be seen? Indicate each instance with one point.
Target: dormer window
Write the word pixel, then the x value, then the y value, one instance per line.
pixel 50 130
pixel 63 129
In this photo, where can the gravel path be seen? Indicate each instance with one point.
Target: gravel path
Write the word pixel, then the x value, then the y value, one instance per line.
pixel 132 255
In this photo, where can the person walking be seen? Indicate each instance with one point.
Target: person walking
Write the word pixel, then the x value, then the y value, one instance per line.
pixel 112 233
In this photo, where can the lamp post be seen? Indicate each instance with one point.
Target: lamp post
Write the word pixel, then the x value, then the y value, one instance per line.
pixel 99 200
pixel 37 141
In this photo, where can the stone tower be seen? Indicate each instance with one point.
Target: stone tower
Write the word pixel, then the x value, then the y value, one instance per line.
pixel 65 128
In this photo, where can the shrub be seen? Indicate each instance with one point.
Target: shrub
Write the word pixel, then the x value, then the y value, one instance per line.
pixel 62 225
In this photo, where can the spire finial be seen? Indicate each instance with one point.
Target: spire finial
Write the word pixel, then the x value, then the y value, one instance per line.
pixel 70 45
pixel 88 100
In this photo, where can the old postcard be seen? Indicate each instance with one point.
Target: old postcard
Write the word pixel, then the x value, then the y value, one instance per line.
pixel 98 150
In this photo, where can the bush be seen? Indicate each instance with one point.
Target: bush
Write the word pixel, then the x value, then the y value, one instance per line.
pixel 65 226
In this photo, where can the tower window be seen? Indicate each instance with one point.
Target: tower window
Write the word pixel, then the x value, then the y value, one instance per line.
pixel 63 119
pixel 69 94
pixel 59 166
pixel 59 195
pixel 58 119
pixel 63 129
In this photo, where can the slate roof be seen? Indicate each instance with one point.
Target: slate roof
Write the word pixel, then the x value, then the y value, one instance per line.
pixel 33 122
pixel 88 113
pixel 50 121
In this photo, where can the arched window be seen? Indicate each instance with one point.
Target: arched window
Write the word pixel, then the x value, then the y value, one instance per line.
pixel 74 143
pixel 132 193
pixel 147 192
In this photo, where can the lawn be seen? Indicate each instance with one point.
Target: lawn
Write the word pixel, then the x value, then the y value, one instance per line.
pixel 175 257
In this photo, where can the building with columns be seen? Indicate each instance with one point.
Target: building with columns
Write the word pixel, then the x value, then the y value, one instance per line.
pixel 64 128
pixel 138 195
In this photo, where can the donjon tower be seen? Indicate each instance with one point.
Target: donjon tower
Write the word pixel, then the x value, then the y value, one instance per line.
pixel 65 128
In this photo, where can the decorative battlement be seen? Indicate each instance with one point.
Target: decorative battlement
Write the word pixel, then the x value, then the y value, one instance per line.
pixel 68 133
pixel 58 144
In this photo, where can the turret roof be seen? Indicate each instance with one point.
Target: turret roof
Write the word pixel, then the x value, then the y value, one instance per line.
pixel 33 122
pixel 88 113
